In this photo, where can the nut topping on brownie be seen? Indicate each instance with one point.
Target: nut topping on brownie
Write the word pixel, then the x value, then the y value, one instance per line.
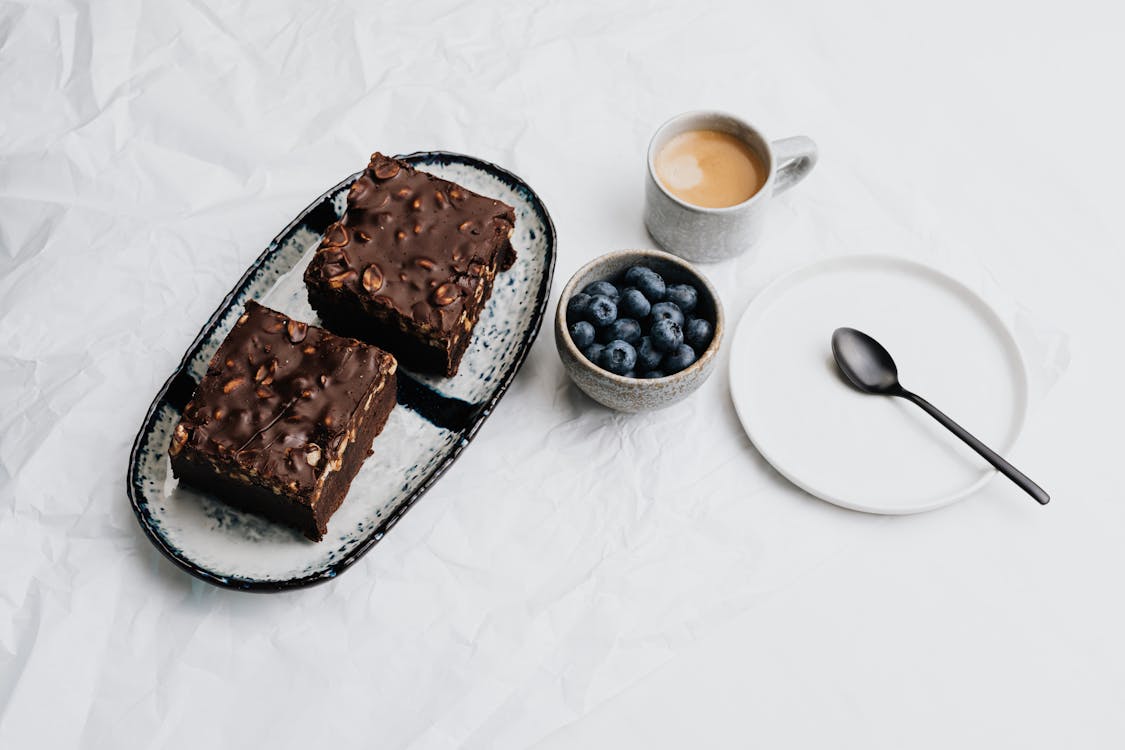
pixel 283 418
pixel 411 264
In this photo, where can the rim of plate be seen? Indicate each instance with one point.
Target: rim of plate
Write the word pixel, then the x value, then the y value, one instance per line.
pixel 780 285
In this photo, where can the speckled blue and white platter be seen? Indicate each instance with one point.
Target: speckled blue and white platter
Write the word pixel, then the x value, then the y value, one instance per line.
pixel 435 420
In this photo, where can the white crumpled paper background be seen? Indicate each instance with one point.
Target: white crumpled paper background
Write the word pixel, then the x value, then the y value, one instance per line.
pixel 579 578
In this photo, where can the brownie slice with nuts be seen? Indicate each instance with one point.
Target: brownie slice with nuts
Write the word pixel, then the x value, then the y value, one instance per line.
pixel 411 265
pixel 283 419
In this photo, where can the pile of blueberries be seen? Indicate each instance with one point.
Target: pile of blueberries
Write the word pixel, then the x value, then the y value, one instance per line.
pixel 645 330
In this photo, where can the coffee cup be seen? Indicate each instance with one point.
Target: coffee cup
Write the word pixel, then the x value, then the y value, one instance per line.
pixel 719 159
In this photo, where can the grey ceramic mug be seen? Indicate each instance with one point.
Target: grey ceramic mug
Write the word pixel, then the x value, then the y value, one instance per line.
pixel 711 234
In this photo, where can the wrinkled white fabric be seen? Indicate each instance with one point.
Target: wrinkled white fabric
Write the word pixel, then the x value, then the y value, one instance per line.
pixel 579 578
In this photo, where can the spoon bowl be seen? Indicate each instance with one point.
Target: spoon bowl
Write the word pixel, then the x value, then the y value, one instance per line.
pixel 864 362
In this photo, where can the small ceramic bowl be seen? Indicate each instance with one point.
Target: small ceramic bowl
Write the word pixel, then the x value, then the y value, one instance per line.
pixel 638 394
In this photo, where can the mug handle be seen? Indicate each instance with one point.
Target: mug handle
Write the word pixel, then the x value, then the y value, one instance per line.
pixel 796 156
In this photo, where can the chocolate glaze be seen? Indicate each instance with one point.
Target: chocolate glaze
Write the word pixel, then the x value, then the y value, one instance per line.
pixel 415 246
pixel 278 400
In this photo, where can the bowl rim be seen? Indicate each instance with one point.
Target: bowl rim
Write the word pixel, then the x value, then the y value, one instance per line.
pixel 640 253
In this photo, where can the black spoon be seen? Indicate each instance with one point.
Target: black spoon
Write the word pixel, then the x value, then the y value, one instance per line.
pixel 869 367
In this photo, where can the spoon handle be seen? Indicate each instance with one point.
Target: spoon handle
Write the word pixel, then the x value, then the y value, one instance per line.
pixel 989 455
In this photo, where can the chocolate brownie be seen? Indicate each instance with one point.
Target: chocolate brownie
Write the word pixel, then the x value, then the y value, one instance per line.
pixel 411 264
pixel 283 419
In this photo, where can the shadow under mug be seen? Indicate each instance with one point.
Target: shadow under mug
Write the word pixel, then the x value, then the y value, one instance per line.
pixel 712 234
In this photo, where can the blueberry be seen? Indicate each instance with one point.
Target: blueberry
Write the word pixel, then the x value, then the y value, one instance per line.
pixel 649 282
pixel 648 356
pixel 604 288
pixel 684 295
pixel 683 356
pixel 630 374
pixel 622 329
pixel 576 307
pixel 697 333
pixel 618 357
pixel 667 336
pixel 593 352
pixel 582 334
pixel 633 304
pixel 602 310
pixel 653 374
pixel 667 310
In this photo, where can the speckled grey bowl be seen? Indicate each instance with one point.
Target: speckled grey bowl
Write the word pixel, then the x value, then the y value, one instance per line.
pixel 637 394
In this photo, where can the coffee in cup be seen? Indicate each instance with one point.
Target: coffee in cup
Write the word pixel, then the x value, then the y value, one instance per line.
pixel 710 168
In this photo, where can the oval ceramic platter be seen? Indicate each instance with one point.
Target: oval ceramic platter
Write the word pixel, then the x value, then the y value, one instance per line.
pixel 436 418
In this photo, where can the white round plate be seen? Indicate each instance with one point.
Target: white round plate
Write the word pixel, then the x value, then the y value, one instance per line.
pixel 874 453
